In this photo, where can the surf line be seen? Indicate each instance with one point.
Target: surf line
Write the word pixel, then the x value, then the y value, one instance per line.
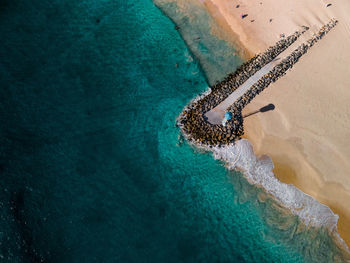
pixel 203 122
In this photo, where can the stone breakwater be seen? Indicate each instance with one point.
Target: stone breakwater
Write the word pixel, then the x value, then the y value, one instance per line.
pixel 192 121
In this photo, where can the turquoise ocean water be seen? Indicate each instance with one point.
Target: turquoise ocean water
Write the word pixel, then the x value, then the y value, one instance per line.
pixel 91 166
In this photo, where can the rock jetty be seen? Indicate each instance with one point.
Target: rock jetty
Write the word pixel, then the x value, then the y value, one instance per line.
pixel 192 121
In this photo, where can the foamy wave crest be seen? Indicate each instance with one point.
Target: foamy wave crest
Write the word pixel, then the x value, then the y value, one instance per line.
pixel 258 171
pixel 199 97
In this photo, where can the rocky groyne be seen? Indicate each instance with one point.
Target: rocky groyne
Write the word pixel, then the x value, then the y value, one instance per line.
pixel 192 121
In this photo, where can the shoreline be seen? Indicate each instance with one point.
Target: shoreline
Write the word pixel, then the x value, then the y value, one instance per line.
pixel 311 212
pixel 258 171
pixel 296 156
pixel 292 163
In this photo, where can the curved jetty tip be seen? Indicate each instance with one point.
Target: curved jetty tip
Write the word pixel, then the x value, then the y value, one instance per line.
pixel 193 122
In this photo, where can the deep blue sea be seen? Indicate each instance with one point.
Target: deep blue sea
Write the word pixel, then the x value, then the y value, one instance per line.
pixel 91 167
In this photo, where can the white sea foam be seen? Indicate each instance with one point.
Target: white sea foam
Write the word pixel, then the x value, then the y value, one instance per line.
pixel 200 96
pixel 259 172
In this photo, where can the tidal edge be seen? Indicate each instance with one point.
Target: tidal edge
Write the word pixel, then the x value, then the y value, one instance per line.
pixel 226 144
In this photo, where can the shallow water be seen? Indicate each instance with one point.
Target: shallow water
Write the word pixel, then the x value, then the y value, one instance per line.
pixel 217 57
pixel 319 234
pixel 91 169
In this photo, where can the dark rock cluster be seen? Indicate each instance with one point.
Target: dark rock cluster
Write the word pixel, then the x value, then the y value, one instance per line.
pixel 192 120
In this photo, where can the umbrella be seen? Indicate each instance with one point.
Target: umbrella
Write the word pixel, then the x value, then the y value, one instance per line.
pixel 228 116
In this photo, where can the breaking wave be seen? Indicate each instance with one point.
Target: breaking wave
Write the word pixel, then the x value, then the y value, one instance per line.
pixel 258 171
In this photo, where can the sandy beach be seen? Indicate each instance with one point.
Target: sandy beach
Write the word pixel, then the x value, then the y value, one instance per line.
pixel 307 134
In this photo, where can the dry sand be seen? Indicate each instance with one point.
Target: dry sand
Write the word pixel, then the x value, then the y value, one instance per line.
pixel 307 135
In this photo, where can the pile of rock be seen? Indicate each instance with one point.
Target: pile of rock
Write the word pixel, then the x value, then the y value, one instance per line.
pixel 192 120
